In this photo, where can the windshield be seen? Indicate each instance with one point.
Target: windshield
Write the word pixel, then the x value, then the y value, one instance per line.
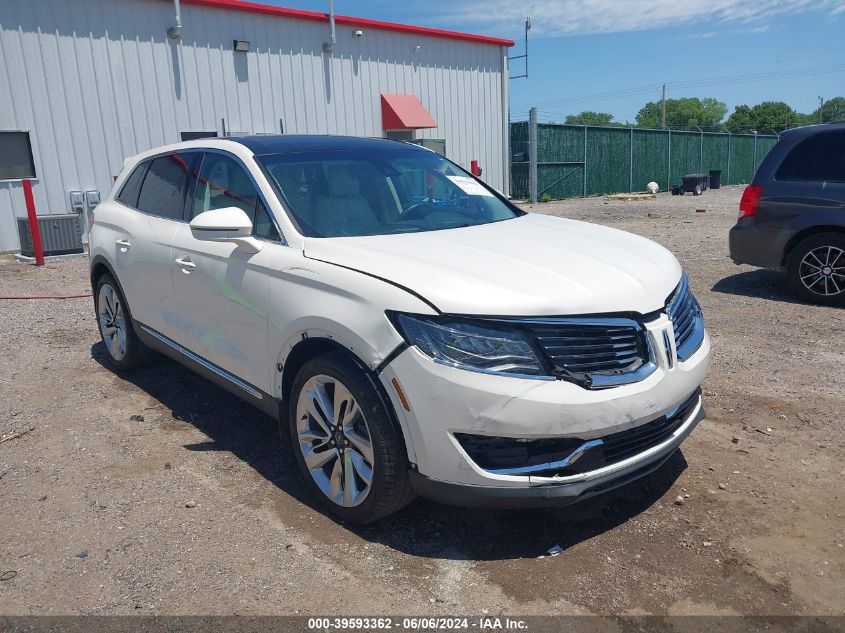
pixel 345 193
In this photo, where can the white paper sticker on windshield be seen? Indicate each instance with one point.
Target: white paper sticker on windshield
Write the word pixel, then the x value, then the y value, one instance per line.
pixel 469 186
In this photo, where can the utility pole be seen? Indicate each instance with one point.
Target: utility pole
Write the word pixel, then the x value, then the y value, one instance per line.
pixel 532 155
pixel 821 106
pixel 663 109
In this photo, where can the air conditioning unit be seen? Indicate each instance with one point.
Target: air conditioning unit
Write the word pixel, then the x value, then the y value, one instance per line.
pixel 60 235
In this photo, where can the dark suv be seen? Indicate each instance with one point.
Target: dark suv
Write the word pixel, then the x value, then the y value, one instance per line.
pixel 792 215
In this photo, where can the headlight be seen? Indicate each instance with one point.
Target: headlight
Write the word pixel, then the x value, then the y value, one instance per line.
pixel 472 345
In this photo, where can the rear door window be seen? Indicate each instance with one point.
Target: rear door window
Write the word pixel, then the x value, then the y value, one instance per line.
pixel 819 158
pixel 164 188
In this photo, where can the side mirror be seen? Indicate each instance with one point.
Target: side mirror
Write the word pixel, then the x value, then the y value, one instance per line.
pixel 229 224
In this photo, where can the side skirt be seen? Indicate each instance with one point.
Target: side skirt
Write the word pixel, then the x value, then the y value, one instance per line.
pixel 208 370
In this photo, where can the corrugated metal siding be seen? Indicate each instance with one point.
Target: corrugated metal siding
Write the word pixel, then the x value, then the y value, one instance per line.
pixel 95 81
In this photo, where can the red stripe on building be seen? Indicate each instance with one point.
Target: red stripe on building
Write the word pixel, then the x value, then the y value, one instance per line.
pixel 315 16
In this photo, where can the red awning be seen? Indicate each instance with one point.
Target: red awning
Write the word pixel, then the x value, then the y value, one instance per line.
pixel 404 112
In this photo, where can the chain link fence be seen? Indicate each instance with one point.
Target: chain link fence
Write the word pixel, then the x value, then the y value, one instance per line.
pixel 576 160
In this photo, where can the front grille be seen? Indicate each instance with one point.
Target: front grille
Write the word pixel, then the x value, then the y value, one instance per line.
pixel 687 322
pixel 604 350
pixel 547 457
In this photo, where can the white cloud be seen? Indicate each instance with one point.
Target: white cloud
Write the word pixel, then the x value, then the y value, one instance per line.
pixel 580 17
pixel 704 35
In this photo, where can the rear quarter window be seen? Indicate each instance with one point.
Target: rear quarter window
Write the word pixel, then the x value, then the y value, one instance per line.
pixel 132 187
pixel 819 158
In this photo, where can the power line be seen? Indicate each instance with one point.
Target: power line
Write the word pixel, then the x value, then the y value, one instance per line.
pixel 704 82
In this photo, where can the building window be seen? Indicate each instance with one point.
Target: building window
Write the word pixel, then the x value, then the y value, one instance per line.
pixel 16 156
pixel 192 136
pixel 400 135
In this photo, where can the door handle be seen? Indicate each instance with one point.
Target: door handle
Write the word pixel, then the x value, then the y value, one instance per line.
pixel 186 264
pixel 123 244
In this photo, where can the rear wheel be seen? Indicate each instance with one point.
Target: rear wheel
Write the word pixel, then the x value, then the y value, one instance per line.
pixel 346 445
pixel 124 349
pixel 816 269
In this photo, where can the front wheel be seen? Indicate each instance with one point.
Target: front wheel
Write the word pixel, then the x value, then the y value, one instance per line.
pixel 346 445
pixel 816 269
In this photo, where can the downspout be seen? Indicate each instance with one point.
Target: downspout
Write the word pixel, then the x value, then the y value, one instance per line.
pixel 175 31
pixel 328 47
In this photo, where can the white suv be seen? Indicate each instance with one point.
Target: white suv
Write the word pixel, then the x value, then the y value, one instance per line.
pixel 413 331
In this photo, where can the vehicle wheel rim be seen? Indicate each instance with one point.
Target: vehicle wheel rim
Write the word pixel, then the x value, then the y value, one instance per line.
pixel 334 440
pixel 112 322
pixel 822 271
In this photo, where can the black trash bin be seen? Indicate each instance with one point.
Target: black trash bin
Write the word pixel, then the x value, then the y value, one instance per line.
pixel 715 178
pixel 694 183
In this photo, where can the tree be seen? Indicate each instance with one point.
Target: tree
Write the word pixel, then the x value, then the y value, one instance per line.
pixel 769 117
pixel 687 112
pixel 832 110
pixel 742 119
pixel 588 117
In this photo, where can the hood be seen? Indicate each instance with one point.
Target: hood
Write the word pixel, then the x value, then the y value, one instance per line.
pixel 534 265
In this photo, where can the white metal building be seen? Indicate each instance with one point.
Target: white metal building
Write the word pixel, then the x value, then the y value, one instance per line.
pixel 86 83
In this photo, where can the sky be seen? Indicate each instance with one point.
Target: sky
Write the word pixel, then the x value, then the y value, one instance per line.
pixel 614 55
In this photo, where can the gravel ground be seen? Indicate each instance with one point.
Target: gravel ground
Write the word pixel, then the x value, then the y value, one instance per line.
pixel 158 493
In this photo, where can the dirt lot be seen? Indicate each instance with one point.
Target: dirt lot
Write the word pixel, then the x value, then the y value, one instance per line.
pixel 94 497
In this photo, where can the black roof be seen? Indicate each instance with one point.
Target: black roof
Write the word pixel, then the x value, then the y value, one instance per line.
pixel 293 143
pixel 808 130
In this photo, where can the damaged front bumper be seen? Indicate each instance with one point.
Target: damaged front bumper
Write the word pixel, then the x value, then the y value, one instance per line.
pixel 560 491
pixel 463 430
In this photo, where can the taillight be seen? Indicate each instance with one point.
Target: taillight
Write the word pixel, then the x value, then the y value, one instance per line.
pixel 750 200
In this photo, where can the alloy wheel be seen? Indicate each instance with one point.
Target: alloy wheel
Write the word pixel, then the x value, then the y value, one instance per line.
pixel 335 440
pixel 112 321
pixel 822 271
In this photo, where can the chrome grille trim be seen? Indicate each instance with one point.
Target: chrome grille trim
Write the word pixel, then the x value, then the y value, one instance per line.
pixel 608 352
pixel 687 321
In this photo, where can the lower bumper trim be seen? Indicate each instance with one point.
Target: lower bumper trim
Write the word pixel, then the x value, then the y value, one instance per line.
pixel 547 495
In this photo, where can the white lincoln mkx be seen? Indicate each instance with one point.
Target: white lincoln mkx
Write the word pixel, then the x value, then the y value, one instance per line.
pixel 413 331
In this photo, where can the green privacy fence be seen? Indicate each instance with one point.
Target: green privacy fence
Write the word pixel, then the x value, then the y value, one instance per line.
pixel 574 160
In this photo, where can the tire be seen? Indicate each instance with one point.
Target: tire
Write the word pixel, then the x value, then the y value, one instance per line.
pixel 697 190
pixel 339 455
pixel 816 269
pixel 123 348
